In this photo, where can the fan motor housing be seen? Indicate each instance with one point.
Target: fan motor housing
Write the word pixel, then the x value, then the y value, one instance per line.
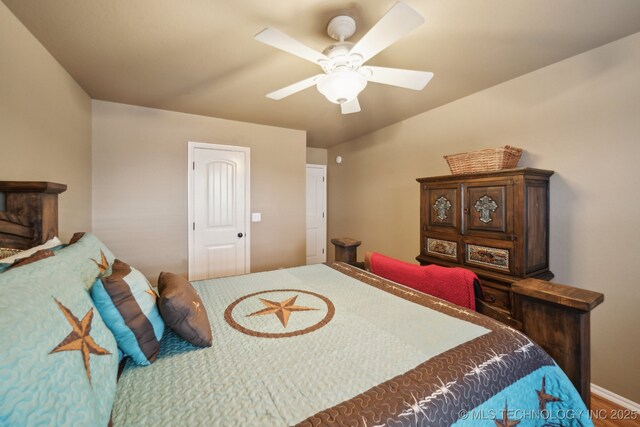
pixel 341 57
pixel 338 49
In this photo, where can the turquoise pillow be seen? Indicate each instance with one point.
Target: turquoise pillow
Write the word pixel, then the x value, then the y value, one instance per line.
pixel 58 360
pixel 127 303
pixel 88 257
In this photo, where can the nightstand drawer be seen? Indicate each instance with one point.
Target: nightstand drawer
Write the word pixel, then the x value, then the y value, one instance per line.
pixel 496 296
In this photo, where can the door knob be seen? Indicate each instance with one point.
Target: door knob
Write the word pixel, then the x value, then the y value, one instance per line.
pixel 240 234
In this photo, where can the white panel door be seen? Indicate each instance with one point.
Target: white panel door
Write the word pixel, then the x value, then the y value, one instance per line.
pixel 316 218
pixel 220 225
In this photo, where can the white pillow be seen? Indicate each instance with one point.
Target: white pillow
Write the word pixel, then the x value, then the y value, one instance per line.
pixel 46 245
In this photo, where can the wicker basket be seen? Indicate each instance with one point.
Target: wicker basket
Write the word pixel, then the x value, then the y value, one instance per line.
pixel 491 159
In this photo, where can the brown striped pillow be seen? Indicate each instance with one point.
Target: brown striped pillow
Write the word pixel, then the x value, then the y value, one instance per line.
pixel 127 304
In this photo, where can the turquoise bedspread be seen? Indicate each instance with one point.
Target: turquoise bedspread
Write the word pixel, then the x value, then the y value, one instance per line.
pixel 335 345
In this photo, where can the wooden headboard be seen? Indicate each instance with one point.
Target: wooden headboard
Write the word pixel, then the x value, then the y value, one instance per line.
pixel 28 213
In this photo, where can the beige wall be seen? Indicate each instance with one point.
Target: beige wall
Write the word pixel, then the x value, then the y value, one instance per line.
pixel 316 156
pixel 45 123
pixel 579 117
pixel 140 185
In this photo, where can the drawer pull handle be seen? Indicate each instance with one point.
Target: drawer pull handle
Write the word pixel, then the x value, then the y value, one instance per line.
pixel 489 298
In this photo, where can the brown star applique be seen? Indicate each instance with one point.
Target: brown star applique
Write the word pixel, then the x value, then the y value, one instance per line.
pixel 196 305
pixel 103 265
pixel 281 309
pixel 505 421
pixel 151 291
pixel 79 339
pixel 544 398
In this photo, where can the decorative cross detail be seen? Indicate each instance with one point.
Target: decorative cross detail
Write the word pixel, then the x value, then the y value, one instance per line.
pixel 485 205
pixel 442 206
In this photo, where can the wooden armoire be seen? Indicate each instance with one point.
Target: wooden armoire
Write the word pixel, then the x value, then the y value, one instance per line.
pixel 493 223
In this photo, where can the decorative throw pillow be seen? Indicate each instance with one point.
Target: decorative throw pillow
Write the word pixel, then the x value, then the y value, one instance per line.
pixel 36 256
pixel 58 360
pixel 88 256
pixel 7 262
pixel 49 244
pixel 4 267
pixel 127 303
pixel 182 309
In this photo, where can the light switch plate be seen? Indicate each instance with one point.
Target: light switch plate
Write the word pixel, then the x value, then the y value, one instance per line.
pixel 256 217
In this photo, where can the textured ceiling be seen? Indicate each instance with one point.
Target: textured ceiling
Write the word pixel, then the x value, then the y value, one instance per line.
pixel 199 56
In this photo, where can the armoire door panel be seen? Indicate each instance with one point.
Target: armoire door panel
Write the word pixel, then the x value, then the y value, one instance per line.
pixel 488 209
pixel 442 209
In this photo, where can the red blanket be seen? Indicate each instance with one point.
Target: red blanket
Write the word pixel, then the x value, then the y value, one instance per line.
pixel 451 284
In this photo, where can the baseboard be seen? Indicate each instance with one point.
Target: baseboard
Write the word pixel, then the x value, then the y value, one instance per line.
pixel 617 399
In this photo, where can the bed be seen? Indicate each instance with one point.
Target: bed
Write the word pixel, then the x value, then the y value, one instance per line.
pixel 315 345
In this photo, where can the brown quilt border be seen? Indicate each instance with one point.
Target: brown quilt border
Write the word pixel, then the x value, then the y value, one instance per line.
pixel 438 390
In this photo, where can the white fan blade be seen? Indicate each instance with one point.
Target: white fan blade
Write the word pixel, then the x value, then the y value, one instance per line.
pixel 408 79
pixel 350 107
pixel 399 21
pixel 281 41
pixel 294 88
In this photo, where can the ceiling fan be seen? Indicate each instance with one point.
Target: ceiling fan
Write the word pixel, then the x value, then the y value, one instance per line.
pixel 345 74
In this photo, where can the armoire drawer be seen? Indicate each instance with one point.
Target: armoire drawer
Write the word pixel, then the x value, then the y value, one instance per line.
pixel 490 255
pixel 445 248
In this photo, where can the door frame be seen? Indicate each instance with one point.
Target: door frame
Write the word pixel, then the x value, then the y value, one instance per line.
pixel 191 147
pixel 324 207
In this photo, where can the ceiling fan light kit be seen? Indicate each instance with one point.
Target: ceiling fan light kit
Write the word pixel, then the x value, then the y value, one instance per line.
pixel 342 85
pixel 345 76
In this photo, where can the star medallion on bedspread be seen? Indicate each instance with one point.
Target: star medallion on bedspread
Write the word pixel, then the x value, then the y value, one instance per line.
pixel 281 309
pixel 242 315
pixel 544 398
pixel 79 339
